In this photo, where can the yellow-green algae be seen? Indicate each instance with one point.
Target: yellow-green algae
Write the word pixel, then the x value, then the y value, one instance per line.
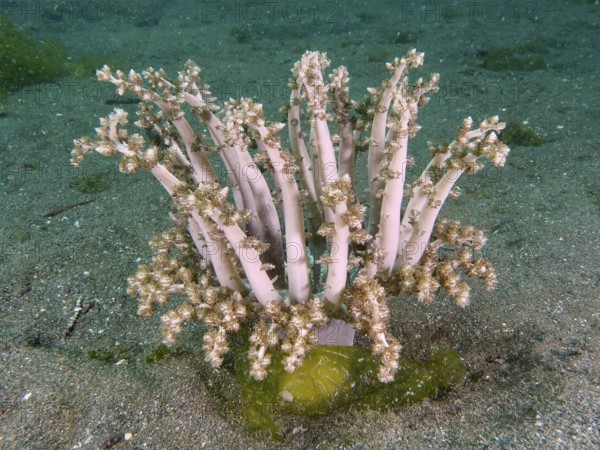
pixel 334 378
pixel 25 61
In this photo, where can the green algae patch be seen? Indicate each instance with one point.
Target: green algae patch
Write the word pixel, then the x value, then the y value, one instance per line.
pixel 109 355
pixel 335 378
pixel 523 57
pixel 518 135
pixel 92 183
pixel 416 381
pixel 162 352
pixel 328 376
pixel 24 61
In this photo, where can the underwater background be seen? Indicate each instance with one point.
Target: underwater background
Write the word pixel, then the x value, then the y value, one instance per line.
pixel 80 369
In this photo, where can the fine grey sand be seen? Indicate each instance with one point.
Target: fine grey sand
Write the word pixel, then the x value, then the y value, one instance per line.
pixel 530 346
